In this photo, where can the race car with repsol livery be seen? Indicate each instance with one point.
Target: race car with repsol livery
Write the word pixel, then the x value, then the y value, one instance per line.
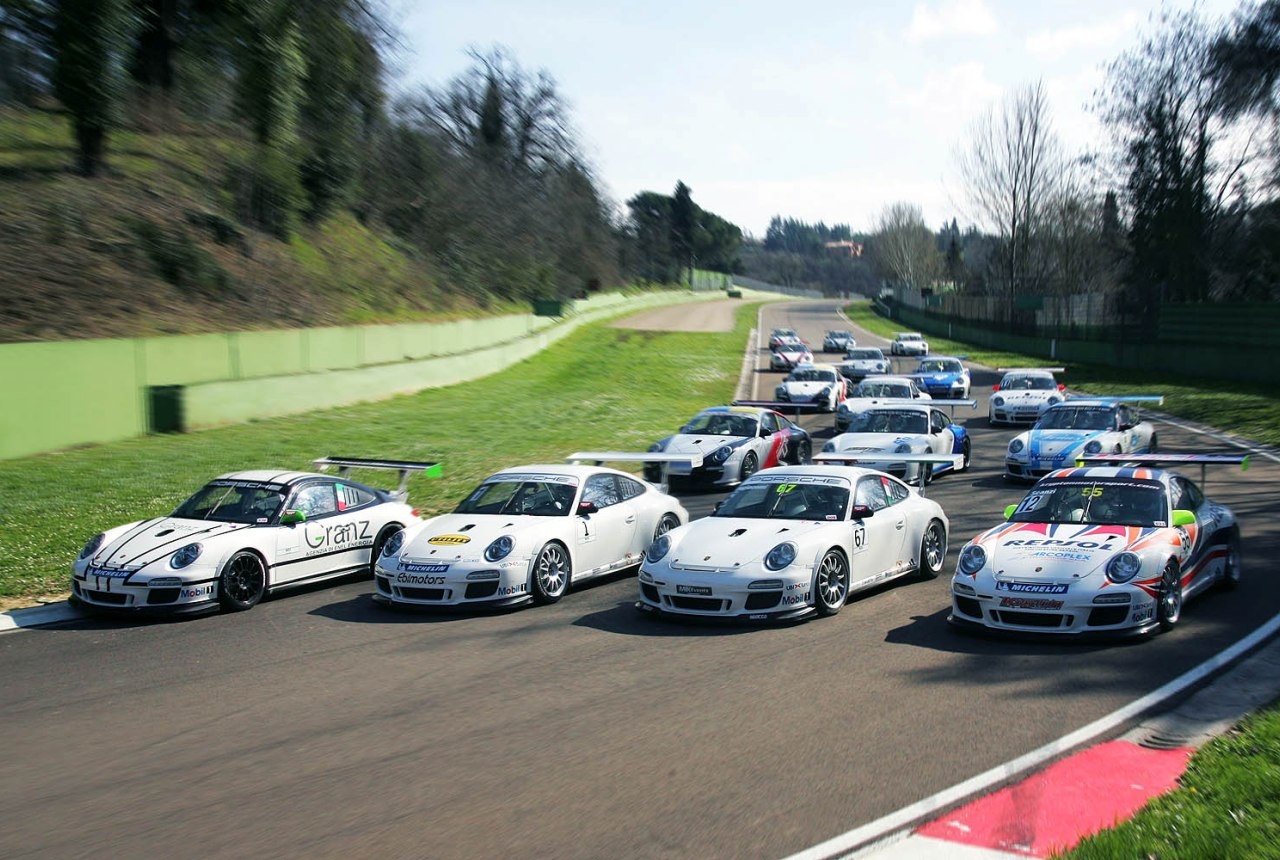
pixel 244 535
pixel 1080 427
pixel 525 535
pixel 1109 549
pixel 791 542
pixel 735 442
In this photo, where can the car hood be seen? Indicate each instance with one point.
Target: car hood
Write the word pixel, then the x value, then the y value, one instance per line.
pixel 1057 444
pixel 463 537
pixel 1054 552
pixel 142 543
pixel 807 389
pixel 940 378
pixel 1024 395
pixel 858 442
pixel 731 543
pixel 694 443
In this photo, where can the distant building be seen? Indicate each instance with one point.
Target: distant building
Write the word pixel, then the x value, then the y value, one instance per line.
pixel 844 248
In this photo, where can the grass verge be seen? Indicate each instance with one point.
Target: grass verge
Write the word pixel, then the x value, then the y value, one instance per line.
pixel 1249 410
pixel 600 387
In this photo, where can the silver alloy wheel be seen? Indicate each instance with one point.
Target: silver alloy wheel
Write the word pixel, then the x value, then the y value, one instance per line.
pixel 666 524
pixel 1169 603
pixel 831 584
pixel 933 550
pixel 551 571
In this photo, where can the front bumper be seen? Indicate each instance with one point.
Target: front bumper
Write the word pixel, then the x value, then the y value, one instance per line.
pixel 98 594
pixel 724 597
pixel 490 585
pixel 1055 616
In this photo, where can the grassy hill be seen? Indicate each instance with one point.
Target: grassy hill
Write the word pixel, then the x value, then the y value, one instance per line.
pixel 155 247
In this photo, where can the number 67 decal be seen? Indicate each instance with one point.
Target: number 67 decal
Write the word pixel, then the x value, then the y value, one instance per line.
pixel 859 538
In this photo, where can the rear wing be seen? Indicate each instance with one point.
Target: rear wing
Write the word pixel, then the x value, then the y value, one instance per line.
pixel 405 467
pixel 666 461
pixel 1157 399
pixel 1159 461
pixel 1028 369
pixel 912 401
pixel 850 458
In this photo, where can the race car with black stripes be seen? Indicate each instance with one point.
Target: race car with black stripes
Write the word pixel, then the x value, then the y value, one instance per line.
pixel 244 535
pixel 1111 547
pixel 734 442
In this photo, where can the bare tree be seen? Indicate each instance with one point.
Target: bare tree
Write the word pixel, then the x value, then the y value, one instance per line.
pixel 1013 170
pixel 903 247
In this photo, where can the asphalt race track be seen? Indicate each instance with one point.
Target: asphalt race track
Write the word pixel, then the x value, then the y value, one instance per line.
pixel 321 725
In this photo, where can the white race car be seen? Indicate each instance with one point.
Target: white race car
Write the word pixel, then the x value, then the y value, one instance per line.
pixel 241 536
pixel 863 361
pixel 1080 427
pixel 909 343
pixel 792 542
pixel 1024 393
pixel 838 340
pixel 526 535
pixel 877 389
pixel 1099 549
pixel 790 353
pixel 906 427
pixel 732 444
pixel 820 384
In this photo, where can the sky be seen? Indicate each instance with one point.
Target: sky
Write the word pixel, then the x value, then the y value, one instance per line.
pixel 818 111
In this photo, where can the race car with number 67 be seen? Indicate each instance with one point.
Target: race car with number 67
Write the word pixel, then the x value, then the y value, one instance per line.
pixel 791 542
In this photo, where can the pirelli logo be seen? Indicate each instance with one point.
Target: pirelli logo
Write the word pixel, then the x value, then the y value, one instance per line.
pixel 449 540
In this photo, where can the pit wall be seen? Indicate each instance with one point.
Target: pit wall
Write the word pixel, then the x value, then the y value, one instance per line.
pixel 59 394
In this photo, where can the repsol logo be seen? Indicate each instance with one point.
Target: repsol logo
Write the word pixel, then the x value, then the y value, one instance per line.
pixel 1082 544
pixel 418 579
pixel 449 540
pixel 319 535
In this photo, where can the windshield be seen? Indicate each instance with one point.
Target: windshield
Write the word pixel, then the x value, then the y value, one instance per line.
pixel 864 354
pixel 548 496
pixel 233 502
pixel 940 366
pixel 908 337
pixel 837 334
pixel 721 424
pixel 1029 383
pixel 1098 501
pixel 1077 418
pixel 889 421
pixel 810 374
pixel 779 500
pixel 882 389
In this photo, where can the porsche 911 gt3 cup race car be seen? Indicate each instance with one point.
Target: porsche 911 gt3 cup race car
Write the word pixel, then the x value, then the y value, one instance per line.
pixel 526 535
pixel 781 335
pixel 820 384
pixel 838 340
pixel 243 535
pixel 943 377
pixel 792 542
pixel 877 389
pixel 1080 427
pixel 906 427
pixel 789 354
pixel 863 361
pixel 1023 394
pixel 909 343
pixel 734 442
pixel 1100 549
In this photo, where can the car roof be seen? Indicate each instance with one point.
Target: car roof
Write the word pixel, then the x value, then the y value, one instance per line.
pixel 754 411
pixel 909 334
pixel 571 470
pixel 272 476
pixel 885 377
pixel 817 365
pixel 925 358
pixel 1027 372
pixel 851 473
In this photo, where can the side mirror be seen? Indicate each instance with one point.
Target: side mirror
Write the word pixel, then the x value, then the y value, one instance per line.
pixel 716 507
pixel 292 518
pixel 1062 386
pixel 1184 518
pixel 861 512
pixel 995 387
pixel 1008 512
pixel 586 508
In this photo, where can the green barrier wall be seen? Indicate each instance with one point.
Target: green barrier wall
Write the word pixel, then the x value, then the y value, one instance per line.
pixel 64 393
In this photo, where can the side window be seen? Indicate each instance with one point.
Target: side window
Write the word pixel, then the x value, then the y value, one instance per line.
pixel 896 492
pixel 937 421
pixel 350 497
pixel 600 490
pixel 629 488
pixel 768 425
pixel 871 492
pixel 1186 495
pixel 316 500
pixel 1123 417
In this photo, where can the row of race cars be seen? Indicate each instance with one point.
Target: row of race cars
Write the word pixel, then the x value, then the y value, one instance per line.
pixel 1109 540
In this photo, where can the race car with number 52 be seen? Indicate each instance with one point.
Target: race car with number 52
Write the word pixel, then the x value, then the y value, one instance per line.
pixel 242 536
pixel 1112 547
pixel 792 542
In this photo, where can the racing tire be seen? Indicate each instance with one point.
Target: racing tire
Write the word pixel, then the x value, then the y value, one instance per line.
pixel 242 582
pixel 1117 450
pixel 964 449
pixel 831 584
pixel 933 550
pixel 668 522
pixel 926 473
pixel 379 543
pixel 550 574
pixel 750 465
pixel 1169 600
pixel 1154 447
pixel 1230 579
pixel 804 453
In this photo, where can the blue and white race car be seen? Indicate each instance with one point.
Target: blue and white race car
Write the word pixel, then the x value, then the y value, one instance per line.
pixel 905 427
pixel 1080 427
pixel 1112 547
pixel 944 377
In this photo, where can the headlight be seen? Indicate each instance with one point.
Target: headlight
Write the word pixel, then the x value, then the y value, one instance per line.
pixel 1016 445
pixel 829 448
pixel 720 454
pixel 997 400
pixel 393 545
pixel 1054 399
pixel 780 392
pixel 92 546
pixel 500 548
pixel 903 448
pixel 1123 567
pixel 1093 447
pixel 655 447
pixel 185 556
pixel 780 556
pixel 658 549
pixel 825 393
pixel 972 559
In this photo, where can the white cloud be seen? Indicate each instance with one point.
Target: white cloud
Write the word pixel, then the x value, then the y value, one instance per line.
pixel 1090 39
pixel 951 18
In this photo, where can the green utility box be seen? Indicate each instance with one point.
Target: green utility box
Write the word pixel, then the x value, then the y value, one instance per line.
pixel 164 409
pixel 548 308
